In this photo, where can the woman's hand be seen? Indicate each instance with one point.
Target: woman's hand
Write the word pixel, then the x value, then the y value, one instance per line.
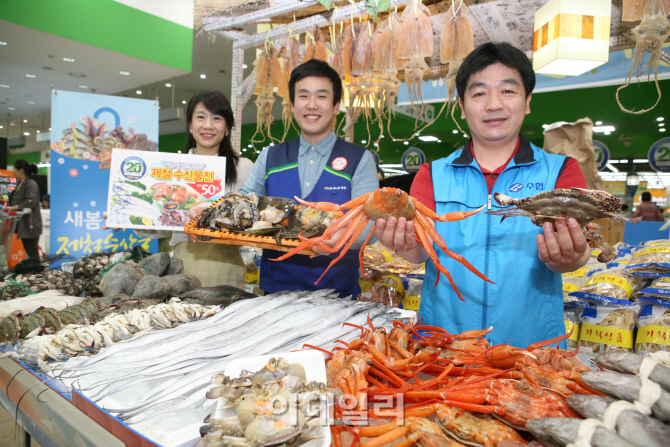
pixel 194 212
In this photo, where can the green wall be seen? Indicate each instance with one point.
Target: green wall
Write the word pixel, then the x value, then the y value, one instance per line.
pixel 106 24
pixel 30 157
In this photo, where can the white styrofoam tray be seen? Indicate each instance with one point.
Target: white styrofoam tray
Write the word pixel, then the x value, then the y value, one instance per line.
pixel 315 370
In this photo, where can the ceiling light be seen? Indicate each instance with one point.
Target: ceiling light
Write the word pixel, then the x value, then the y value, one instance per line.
pixel 12 124
pixel 615 161
pixel 376 144
pixel 31 76
pixel 26 133
pixel 3 43
pixel 598 123
pixel 465 135
pixel 428 138
pixel 49 129
pixel 203 76
pixel 168 85
pixel 4 86
pixel 77 75
pixel 37 131
pixel 544 126
pixel 454 131
pixel 139 92
pixel 68 59
pixel 183 102
pixel 1 127
pixel 83 86
pixel 25 121
pixel 661 130
pixel 604 129
pixel 272 144
pixel 31 102
pixel 612 167
pixel 439 141
pixel 607 133
pixel 363 141
pixel 11 108
pixel 250 145
pixel 124 73
pixel 640 160
pixel 660 118
pixel 661 124
pixel 406 143
pixel 244 65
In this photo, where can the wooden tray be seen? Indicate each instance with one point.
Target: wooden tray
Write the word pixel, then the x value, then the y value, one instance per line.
pixel 231 238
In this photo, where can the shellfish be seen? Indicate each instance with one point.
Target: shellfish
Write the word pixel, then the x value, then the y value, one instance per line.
pixel 584 205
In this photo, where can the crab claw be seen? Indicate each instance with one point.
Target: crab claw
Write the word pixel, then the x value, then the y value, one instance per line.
pixel 502 199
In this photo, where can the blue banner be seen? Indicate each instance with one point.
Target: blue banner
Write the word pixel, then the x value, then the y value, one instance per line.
pixel 84 129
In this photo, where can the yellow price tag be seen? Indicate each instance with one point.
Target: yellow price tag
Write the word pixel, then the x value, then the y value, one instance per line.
pixel 611 279
pixel 576 274
pixel 569 287
pixel 653 334
pixel 412 302
pixel 606 335
pixel 382 251
pixel 252 277
pixel 393 282
pixel 647 251
pixel 569 325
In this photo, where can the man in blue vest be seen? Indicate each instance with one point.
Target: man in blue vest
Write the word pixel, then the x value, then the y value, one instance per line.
pixel 525 305
pixel 317 167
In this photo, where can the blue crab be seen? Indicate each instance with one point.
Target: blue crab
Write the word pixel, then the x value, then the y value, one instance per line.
pixel 584 205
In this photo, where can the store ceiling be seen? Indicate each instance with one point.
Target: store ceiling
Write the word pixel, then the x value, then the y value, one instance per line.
pixel 28 51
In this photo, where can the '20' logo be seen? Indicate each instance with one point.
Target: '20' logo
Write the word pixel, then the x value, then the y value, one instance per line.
pixel 133 168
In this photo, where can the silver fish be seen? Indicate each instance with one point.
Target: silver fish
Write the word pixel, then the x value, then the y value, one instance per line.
pixel 626 387
pixel 629 363
pixel 558 432
pixel 631 425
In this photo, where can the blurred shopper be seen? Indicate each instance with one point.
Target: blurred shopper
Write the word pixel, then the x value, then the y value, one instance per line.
pixel 647 210
pixel 26 196
pixel 46 201
pixel 380 174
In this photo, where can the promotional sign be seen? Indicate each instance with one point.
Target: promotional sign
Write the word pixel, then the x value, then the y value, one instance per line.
pixel 153 190
pixel 84 129
pixel 412 159
pixel 659 155
pixel 602 154
pixel 7 186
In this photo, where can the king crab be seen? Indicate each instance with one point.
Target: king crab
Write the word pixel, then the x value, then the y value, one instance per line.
pixel 584 205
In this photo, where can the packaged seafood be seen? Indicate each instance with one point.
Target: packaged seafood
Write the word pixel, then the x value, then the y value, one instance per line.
pixel 388 289
pixel 398 265
pixel 376 254
pixel 571 313
pixel 616 284
pixel 653 326
pixel 652 258
pixel 607 324
pixel 573 281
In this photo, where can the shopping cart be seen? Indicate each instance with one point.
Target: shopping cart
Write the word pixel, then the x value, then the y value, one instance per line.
pixel 8 222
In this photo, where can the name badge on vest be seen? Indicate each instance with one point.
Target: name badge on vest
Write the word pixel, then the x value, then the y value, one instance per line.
pixel 339 163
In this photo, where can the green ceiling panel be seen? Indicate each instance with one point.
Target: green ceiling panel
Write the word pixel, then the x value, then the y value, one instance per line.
pixel 106 24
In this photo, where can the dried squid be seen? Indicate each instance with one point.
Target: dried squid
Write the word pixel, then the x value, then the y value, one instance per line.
pixel 457 42
pixel 415 43
pixel 291 60
pixel 268 76
pixel 650 35
pixel 386 61
pixel 315 47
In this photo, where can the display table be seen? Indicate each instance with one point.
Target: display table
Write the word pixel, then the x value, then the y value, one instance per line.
pixel 57 419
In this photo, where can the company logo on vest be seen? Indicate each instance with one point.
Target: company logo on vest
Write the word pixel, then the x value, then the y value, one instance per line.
pixel 516 187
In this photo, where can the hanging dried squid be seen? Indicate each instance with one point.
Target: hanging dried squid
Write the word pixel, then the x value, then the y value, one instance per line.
pixel 268 76
pixel 291 60
pixel 650 35
pixel 456 43
pixel 387 63
pixel 415 43
pixel 315 47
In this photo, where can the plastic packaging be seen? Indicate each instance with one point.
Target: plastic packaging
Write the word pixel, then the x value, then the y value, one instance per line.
pixel 376 254
pixel 651 258
pixel 412 299
pixel 399 265
pixel 607 325
pixel 653 333
pixel 615 284
pixel 388 289
pixel 251 257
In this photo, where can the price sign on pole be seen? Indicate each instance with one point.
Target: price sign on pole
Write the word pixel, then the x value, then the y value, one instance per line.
pixel 412 159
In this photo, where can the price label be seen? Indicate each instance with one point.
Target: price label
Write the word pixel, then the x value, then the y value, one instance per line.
pixel 412 302
pixel 659 335
pixel 568 287
pixel 576 273
pixel 207 189
pixel 606 335
pixel 569 325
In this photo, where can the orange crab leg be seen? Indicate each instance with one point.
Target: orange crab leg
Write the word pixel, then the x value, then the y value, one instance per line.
pixel 327 234
pixel 360 253
pixel 386 437
pixel 357 227
pixel 423 239
pixel 540 344
pixel 343 239
pixel 449 217
pixel 327 206
pixel 435 236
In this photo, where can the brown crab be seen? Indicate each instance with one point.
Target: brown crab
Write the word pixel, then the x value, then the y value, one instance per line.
pixel 584 205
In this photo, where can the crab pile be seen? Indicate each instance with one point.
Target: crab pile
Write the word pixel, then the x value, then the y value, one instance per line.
pixel 379 378
pixel 584 205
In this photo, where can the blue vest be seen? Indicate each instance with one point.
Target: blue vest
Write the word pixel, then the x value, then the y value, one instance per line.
pixel 300 272
pixel 525 305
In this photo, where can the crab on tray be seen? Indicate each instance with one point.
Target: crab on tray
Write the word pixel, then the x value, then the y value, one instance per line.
pixel 265 222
